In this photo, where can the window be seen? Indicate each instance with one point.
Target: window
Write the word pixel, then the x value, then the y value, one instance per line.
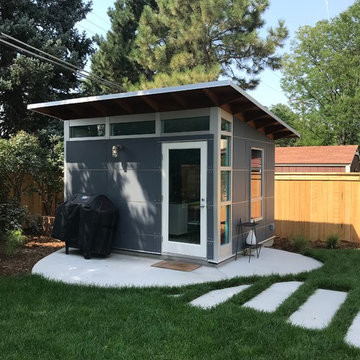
pixel 256 184
pixel 225 150
pixel 87 131
pixel 132 128
pixel 225 224
pixel 225 181
pixel 225 125
pixel 201 123
pixel 225 186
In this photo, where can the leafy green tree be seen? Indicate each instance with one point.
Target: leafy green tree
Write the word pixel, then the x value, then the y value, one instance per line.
pixel 210 38
pixel 285 113
pixel 322 77
pixel 112 59
pixel 26 166
pixel 49 182
pixel 20 156
pixel 47 25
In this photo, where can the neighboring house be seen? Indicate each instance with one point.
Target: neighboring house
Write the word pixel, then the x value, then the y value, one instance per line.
pixel 344 158
pixel 182 164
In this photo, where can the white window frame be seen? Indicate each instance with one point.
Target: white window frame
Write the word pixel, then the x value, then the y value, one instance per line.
pixel 225 250
pixel 134 118
pixel 84 122
pixel 262 185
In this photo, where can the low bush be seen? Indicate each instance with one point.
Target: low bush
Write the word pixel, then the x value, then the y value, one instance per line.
pixel 332 241
pixel 299 243
pixel 13 239
pixel 33 224
pixel 11 216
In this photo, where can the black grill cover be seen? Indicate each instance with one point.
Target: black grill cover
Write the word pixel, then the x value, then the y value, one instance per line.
pixel 87 222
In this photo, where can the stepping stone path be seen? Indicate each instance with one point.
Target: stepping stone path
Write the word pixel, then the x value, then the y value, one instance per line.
pixel 353 335
pixel 217 297
pixel 271 298
pixel 318 310
pixel 316 313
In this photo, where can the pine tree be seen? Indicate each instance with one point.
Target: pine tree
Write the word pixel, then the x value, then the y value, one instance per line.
pixel 155 43
pixel 209 37
pixel 49 26
pixel 112 59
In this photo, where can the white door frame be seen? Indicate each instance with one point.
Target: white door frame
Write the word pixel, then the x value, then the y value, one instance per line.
pixel 172 247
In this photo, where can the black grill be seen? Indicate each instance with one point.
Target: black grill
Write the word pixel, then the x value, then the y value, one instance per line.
pixel 87 222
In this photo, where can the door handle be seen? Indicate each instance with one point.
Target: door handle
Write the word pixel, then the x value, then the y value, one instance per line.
pixel 203 201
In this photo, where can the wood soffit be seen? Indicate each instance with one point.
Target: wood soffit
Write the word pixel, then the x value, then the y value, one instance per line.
pixel 225 97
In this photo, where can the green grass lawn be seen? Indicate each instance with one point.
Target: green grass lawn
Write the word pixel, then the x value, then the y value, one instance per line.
pixel 40 319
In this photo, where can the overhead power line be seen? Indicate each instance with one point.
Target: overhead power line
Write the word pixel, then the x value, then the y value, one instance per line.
pixel 100 27
pixel 57 61
pixel 101 18
pixel 86 29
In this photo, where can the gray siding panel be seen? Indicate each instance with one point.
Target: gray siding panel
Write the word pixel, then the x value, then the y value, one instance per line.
pixel 134 185
pixel 85 156
pixel 245 138
pixel 241 185
pixel 133 182
pixel 86 181
pixel 136 154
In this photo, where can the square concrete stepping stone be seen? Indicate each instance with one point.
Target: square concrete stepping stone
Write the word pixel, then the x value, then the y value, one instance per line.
pixel 217 297
pixel 271 298
pixel 318 310
pixel 353 335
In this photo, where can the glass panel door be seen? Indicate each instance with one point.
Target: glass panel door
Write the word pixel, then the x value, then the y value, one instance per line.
pixel 184 198
pixel 184 195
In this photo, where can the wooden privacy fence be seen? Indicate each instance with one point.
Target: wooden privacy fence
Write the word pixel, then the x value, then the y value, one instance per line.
pixel 33 200
pixel 317 205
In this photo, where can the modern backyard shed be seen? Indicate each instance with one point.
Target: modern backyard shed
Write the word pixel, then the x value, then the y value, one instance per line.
pixel 182 164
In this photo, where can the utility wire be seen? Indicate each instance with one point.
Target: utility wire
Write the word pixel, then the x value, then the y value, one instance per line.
pixel 101 18
pixel 100 27
pixel 86 29
pixel 57 61
pixel 77 73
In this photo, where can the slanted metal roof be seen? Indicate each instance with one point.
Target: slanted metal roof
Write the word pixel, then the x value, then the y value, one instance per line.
pixel 223 94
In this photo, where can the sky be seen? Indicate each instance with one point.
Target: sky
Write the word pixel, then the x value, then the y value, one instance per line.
pixel 296 13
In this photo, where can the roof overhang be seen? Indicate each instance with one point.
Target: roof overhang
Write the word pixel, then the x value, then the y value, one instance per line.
pixel 223 94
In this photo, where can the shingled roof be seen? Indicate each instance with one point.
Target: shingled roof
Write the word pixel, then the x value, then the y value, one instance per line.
pixel 343 154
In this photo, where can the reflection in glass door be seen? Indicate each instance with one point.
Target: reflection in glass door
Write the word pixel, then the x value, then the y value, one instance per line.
pixel 184 195
pixel 184 198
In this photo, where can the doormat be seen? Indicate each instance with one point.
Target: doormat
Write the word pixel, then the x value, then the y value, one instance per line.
pixel 176 265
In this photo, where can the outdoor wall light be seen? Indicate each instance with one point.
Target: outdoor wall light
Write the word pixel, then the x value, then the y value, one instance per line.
pixel 115 150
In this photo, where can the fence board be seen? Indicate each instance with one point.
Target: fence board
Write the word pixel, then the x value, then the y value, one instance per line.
pixel 318 205
pixel 33 200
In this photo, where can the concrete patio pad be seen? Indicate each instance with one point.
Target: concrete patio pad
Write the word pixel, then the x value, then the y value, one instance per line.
pixel 319 309
pixel 217 297
pixel 271 298
pixel 353 335
pixel 130 270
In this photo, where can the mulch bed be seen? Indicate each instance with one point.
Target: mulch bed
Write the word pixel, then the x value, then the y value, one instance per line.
pixel 285 244
pixel 35 248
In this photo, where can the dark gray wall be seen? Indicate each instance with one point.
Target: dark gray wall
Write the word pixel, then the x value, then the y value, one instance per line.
pixel 244 138
pixel 133 182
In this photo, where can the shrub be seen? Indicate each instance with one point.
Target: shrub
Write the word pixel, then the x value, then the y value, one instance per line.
pixel 33 224
pixel 299 243
pixel 13 239
pixel 332 241
pixel 11 216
